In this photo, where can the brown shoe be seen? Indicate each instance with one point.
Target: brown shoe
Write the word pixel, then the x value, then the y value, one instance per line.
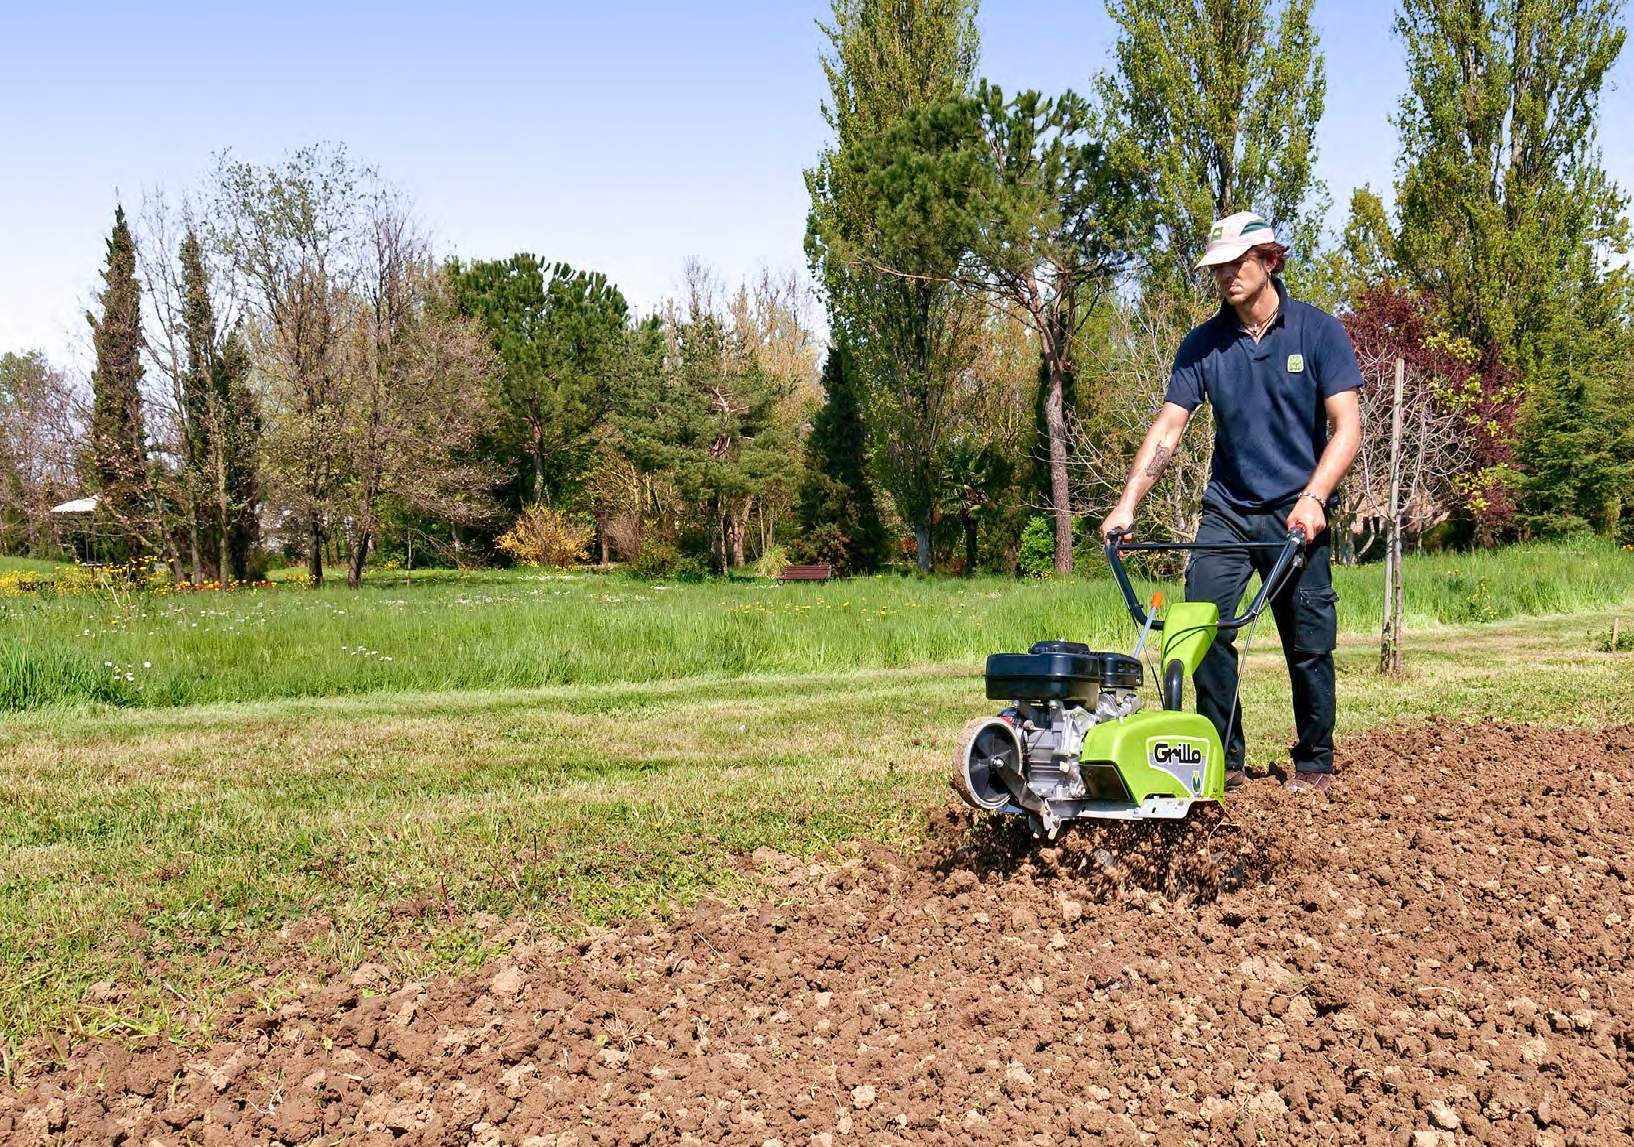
pixel 1302 782
pixel 1235 779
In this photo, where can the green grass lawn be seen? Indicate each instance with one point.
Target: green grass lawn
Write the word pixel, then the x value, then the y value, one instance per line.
pixel 518 630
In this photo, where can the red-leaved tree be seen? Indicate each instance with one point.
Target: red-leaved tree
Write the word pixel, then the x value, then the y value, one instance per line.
pixel 1458 417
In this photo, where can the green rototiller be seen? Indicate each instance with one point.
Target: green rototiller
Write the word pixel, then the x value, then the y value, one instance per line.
pixel 1076 741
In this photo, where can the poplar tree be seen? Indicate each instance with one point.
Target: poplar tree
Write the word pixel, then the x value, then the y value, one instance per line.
pixel 911 337
pixel 1219 101
pixel 291 232
pixel 1504 206
pixel 118 433
pixel 38 447
pixel 1511 224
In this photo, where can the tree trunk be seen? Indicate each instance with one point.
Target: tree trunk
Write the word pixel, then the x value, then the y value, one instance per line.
pixel 1055 426
pixel 921 537
pixel 1343 537
pixel 537 449
pixel 717 536
pixel 193 541
pixel 739 525
pixel 601 539
pixel 970 544
pixel 231 568
pixel 1390 640
pixel 314 551
pixel 768 527
pixel 360 554
pixel 1611 513
pixel 227 555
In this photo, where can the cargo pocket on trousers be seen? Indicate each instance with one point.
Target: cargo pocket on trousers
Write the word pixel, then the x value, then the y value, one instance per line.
pixel 1316 620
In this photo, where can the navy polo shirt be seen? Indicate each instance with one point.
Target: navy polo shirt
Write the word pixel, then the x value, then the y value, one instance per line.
pixel 1270 425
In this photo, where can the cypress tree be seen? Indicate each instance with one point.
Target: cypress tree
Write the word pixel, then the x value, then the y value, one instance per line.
pixel 198 415
pixel 239 488
pixel 836 508
pixel 222 425
pixel 118 438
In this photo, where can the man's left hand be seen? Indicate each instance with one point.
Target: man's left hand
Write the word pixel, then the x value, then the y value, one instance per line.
pixel 1309 515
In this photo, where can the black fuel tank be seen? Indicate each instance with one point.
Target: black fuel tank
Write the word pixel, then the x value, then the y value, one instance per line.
pixel 1059 671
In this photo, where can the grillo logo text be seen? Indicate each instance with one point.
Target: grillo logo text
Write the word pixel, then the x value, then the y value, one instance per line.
pixel 1181 754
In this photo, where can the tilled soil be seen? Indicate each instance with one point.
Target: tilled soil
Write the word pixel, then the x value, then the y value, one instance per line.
pixel 1436 954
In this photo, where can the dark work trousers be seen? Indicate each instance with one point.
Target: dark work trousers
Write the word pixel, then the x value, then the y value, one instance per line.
pixel 1306 620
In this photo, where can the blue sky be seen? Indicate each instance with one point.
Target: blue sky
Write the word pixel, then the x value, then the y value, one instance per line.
pixel 624 137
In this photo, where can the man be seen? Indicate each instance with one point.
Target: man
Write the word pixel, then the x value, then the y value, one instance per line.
pixel 1276 372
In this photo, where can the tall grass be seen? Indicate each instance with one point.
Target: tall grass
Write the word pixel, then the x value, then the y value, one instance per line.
pixel 29 565
pixel 519 630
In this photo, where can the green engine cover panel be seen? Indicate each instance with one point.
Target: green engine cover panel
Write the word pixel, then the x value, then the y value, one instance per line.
pixel 1188 631
pixel 1163 752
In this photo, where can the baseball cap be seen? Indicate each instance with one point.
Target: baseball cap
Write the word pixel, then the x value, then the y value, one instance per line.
pixel 1233 235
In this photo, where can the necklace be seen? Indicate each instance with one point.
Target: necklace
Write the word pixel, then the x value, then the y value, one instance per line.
pixel 1257 330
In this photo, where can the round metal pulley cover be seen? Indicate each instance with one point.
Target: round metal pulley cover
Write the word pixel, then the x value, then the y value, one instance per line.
pixel 985 744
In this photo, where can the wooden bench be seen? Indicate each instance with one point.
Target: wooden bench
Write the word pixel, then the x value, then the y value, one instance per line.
pixel 821 572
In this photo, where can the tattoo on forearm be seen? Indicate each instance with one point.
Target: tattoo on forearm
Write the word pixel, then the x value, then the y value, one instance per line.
pixel 1160 460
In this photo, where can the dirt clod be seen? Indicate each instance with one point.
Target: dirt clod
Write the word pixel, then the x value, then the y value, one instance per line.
pixel 1435 955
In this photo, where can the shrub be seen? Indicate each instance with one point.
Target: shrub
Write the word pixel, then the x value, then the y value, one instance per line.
pixel 694 569
pixel 546 537
pixel 826 542
pixel 1618 639
pixel 1037 557
pixel 625 535
pixel 657 559
pixel 772 561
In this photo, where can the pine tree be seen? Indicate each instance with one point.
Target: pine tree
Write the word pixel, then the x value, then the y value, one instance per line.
pixel 837 512
pixel 708 423
pixel 1575 445
pixel 118 435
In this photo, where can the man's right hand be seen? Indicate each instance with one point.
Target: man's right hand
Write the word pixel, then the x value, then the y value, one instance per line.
pixel 1118 519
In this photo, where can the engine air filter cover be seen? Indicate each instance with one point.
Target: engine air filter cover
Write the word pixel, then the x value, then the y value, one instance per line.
pixel 1119 671
pixel 1061 647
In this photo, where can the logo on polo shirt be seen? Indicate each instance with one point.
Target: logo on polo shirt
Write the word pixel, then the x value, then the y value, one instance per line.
pixel 1296 364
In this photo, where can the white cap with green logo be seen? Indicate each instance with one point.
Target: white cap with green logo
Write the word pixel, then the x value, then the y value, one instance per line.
pixel 1232 236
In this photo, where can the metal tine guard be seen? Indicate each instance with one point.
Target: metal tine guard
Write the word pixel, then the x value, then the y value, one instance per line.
pixel 1290 557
